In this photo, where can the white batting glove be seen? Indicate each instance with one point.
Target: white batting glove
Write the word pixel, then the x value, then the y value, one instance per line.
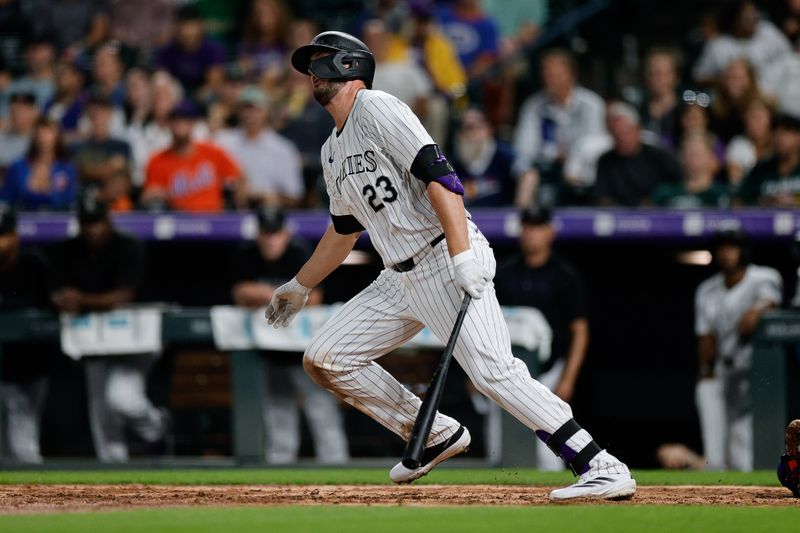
pixel 287 301
pixel 470 275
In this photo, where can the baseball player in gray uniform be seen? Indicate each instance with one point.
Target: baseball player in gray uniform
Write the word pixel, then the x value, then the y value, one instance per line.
pixel 384 174
pixel 728 307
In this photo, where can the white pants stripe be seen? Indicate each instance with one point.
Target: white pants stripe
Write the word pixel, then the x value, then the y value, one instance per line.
pixel 392 310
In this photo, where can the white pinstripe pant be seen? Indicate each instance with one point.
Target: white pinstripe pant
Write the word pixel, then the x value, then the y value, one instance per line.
pixel 391 310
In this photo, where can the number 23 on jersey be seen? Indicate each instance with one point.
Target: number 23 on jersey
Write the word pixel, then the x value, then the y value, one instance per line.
pixel 382 187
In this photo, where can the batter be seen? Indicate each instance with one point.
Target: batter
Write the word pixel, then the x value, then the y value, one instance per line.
pixel 384 174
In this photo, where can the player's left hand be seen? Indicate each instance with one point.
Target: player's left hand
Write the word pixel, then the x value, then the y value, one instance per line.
pixel 287 301
pixel 470 275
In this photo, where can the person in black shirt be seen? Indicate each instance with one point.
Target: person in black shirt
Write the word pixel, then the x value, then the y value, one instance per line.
pixel 24 282
pixel 775 181
pixel 540 279
pixel 629 173
pixel 258 269
pixel 99 270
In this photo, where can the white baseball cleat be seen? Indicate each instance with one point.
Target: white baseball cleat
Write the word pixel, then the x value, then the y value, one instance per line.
pixel 458 443
pixel 602 487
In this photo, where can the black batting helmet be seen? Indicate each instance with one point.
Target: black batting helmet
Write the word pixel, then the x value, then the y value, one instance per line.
pixel 351 60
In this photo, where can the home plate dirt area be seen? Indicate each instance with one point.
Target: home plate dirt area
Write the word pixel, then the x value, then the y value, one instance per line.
pixel 58 498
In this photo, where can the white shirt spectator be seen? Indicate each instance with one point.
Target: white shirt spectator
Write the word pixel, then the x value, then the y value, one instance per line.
pixel 271 162
pixel 546 131
pixel 403 79
pixel 781 79
pixel 741 152
pixel 766 45
pixel 580 167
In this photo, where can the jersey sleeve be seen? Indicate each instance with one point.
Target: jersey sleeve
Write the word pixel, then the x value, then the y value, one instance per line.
pixel 393 127
pixel 770 287
pixel 702 316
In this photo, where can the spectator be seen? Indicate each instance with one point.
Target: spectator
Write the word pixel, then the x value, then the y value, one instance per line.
pixel 475 35
pixel 401 77
pixel 550 123
pixel 629 173
pixel 104 161
pixel 107 74
pixel 660 108
pixel 138 98
pixel 738 86
pixel 270 162
pixel 435 53
pixel 192 176
pixel 67 21
pixel 543 280
pixel 776 180
pixel 16 137
pixel 699 188
pixel 519 21
pixel 44 179
pixel 744 35
pixel 223 112
pixel 142 24
pixel 39 76
pixel 25 279
pixel 15 32
pixel 259 269
pixel 192 57
pixel 786 15
pixel 483 163
pixel 154 134
pixel 263 47
pixel 69 102
pixel 304 122
pixel 745 150
pixel 728 307
pixel 98 270
pixel 694 119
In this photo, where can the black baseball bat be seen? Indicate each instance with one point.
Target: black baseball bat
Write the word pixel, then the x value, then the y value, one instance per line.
pixel 427 411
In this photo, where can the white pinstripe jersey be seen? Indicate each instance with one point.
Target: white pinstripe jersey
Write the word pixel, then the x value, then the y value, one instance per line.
pixel 367 174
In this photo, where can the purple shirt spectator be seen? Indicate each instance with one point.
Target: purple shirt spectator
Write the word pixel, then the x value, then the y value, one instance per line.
pixel 190 66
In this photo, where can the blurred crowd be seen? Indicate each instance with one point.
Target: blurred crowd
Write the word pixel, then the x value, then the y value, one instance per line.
pixel 166 104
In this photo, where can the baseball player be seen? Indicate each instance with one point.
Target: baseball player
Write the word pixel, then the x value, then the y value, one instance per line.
pixel 384 174
pixel 728 307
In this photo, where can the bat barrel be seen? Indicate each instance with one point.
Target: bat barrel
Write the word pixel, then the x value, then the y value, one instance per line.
pixel 427 411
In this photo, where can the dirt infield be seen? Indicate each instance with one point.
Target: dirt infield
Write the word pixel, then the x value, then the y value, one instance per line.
pixel 55 498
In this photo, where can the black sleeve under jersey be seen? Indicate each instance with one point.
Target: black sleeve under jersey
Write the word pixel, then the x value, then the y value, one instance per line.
pixel 346 224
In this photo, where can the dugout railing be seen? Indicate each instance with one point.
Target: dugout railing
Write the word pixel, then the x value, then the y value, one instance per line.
pixel 248 432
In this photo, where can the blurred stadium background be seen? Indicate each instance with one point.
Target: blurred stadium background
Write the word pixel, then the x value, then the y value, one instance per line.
pixel 644 126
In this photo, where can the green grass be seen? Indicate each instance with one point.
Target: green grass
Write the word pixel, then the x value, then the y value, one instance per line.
pixel 597 519
pixel 363 476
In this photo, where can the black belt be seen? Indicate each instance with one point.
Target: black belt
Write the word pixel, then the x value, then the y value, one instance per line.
pixel 408 264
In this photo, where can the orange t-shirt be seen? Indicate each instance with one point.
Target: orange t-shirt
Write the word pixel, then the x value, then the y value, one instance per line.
pixel 193 182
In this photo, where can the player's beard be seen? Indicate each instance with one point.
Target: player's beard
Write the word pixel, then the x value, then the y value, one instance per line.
pixel 325 90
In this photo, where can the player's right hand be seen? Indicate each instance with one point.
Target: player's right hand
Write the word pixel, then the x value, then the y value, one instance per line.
pixel 287 301
pixel 470 275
